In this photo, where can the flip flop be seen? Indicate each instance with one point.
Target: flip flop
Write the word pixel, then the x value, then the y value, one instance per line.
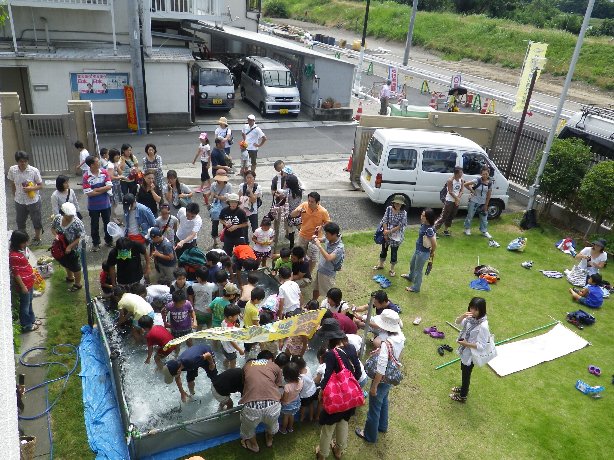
pixel 246 446
pixel 437 334
pixel 428 330
pixel 594 370
pixel 385 283
pixel 378 278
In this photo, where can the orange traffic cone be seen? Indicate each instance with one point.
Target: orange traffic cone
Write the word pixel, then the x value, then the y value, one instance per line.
pixel 358 111
pixel 348 168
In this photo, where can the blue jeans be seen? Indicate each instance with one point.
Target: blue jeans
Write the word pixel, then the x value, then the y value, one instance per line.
pixel 471 210
pixel 416 268
pixel 377 417
pixel 26 314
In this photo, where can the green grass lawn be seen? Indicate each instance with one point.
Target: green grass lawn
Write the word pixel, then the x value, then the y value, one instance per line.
pixel 460 37
pixel 536 413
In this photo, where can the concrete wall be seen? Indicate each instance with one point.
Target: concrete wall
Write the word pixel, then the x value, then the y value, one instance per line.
pixel 336 80
pixel 168 86
pixel 68 24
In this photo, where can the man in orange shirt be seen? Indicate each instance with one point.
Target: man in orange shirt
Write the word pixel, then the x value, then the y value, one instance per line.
pixel 313 218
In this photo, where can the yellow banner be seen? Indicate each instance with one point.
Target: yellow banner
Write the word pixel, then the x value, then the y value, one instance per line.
pixel 303 324
pixel 534 61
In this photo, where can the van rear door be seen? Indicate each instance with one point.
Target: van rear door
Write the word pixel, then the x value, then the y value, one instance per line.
pixel 436 165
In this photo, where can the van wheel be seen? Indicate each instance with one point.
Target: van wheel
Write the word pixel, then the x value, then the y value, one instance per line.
pixel 495 208
pixel 262 110
pixel 243 97
pixel 389 201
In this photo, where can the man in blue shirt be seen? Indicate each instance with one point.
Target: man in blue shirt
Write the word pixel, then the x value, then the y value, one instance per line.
pixel 195 357
pixel 332 253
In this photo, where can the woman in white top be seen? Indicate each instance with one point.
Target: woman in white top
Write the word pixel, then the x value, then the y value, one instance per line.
pixel 474 335
pixel 63 194
pixel 377 417
pixel 249 195
pixel 174 191
pixel 454 187
pixel 594 257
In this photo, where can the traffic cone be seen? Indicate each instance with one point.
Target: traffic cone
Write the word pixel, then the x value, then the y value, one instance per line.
pixel 485 106
pixel 433 102
pixel 358 111
pixel 348 168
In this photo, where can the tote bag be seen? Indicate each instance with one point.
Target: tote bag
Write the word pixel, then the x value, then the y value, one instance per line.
pixel 216 209
pixel 342 392
pixel 393 374
pixel 489 352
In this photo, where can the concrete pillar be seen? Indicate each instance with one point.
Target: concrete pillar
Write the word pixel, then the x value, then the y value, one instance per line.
pixel 82 111
pixel 9 105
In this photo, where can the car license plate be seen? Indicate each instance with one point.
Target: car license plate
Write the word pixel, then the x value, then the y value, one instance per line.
pixel 217 101
pixel 283 111
pixel 368 177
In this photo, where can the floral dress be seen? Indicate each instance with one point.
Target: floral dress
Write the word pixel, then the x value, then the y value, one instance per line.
pixel 156 164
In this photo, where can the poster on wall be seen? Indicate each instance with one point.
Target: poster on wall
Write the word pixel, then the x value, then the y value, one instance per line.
pixel 97 86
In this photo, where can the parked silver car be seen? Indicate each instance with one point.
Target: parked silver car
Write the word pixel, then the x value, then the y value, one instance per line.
pixel 270 86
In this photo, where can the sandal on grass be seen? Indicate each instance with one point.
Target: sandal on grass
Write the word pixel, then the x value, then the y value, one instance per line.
pixel 457 397
pixel 392 273
pixel 38 322
pixel 75 288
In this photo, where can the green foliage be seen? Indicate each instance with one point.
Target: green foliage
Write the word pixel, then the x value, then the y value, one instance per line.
pixel 606 28
pixel 466 37
pixel 569 22
pixel 275 9
pixel 596 192
pixel 567 163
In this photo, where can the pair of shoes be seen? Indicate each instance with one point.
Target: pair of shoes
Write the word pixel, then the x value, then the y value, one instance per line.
pixel 457 397
pixel 428 330
pixel 36 242
pixel 493 244
pixel 443 348
pixel 528 264
pixel 385 283
pixel 75 288
pixel 594 370
pixel 574 321
pixel 487 235
pixel 96 248
pixel 467 232
pixel 417 321
pixel 447 233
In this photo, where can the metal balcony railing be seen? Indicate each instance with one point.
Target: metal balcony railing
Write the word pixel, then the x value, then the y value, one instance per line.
pixel 185 8
pixel 68 4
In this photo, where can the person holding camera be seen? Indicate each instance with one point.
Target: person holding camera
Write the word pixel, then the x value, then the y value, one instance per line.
pixel 480 190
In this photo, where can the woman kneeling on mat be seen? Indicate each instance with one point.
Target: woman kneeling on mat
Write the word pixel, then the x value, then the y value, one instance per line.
pixel 474 334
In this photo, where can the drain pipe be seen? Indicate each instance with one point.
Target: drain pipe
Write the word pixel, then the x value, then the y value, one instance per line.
pixel 47 39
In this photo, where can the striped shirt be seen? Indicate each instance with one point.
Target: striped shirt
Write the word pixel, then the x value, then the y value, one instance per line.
pixel 19 265
pixel 92 181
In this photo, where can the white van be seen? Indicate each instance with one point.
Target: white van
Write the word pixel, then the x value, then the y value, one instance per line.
pixel 214 85
pixel 416 163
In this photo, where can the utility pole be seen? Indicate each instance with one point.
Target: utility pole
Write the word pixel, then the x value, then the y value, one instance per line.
pixel 136 59
pixel 361 59
pixel 410 33
pixel 557 115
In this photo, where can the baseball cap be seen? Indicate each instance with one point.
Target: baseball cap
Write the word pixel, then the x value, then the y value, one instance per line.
pixel 155 231
pixel 127 201
pixel 231 289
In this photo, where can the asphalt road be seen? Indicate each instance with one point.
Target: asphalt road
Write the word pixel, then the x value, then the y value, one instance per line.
pixel 179 147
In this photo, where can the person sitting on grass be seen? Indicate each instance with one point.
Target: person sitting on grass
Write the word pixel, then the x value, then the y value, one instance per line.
pixel 380 302
pixel 133 307
pixel 156 336
pixel 193 358
pixel 592 295
pixel 230 348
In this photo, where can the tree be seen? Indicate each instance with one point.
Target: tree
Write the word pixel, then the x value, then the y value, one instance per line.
pixel 596 192
pixel 567 164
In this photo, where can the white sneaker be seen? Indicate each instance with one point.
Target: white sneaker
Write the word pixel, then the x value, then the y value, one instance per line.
pixel 467 232
pixel 487 235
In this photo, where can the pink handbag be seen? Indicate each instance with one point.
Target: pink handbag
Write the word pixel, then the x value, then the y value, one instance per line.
pixel 342 391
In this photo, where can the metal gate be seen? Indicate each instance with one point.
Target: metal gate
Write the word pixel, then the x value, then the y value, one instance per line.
pixel 49 140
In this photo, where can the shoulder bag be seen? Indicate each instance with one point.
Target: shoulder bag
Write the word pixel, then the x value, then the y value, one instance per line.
pixel 426 241
pixel 489 352
pixel 393 374
pixel 342 392
pixel 58 247
pixel 216 209
pixel 378 237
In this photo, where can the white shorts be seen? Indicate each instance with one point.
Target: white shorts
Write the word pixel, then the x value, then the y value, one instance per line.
pixel 252 416
pixel 218 397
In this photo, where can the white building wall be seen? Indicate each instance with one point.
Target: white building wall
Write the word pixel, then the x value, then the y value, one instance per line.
pixel 56 75
pixel 240 17
pixel 335 80
pixel 168 87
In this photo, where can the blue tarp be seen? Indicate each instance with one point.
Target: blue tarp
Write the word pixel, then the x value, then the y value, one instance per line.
pixel 103 422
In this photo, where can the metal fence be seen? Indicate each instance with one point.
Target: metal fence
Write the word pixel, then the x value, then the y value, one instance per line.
pixel 532 141
pixel 49 140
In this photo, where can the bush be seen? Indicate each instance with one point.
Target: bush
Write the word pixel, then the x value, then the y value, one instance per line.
pixel 569 22
pixel 275 9
pixel 567 164
pixel 606 27
pixel 596 192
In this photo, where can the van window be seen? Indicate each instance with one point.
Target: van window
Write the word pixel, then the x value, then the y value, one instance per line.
pixel 439 161
pixel 215 77
pixel 404 159
pixel 279 79
pixel 254 73
pixel 473 162
pixel 374 150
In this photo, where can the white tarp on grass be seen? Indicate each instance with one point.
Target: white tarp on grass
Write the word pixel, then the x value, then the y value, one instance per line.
pixel 517 356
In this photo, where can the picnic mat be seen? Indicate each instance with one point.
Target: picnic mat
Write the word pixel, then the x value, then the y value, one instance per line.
pixel 523 354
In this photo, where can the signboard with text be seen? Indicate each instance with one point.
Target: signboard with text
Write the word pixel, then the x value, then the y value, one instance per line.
pixel 97 86
pixel 393 77
pixel 133 121
pixel 534 61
